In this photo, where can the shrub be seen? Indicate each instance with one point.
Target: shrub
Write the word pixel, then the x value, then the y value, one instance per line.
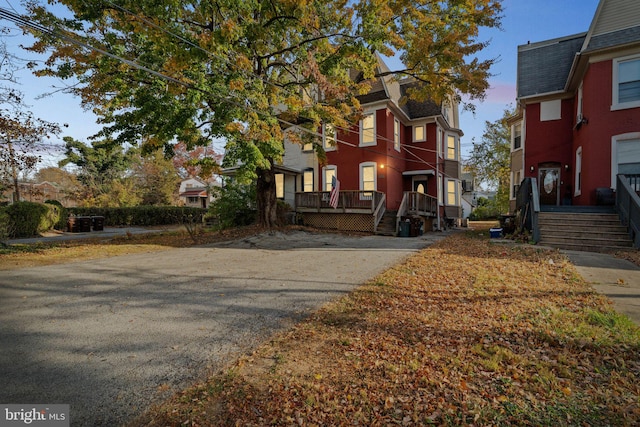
pixel 62 221
pixel 234 205
pixel 141 215
pixel 28 219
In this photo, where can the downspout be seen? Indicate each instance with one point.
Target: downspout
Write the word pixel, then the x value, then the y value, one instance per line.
pixel 438 189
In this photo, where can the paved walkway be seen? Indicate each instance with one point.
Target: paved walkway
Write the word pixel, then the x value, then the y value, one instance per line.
pixel 616 278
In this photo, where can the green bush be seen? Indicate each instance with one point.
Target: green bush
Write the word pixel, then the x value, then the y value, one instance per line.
pixel 62 221
pixel 141 215
pixel 28 219
pixel 234 205
pixel 5 225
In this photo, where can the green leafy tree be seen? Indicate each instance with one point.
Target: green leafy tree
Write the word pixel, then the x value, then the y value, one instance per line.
pixel 100 167
pixel 490 159
pixel 246 69
pixel 156 179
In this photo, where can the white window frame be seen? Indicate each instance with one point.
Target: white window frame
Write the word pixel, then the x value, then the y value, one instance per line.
pixel 329 137
pixel 516 178
pixel 456 192
pixel 515 127
pixel 424 133
pixel 306 186
pixel 396 134
pixel 614 152
pixel 327 181
pixel 440 190
pixel 615 103
pixel 577 183
pixel 364 165
pixel 439 138
pixel 456 147
pixel 364 143
pixel 579 115
pixel 279 177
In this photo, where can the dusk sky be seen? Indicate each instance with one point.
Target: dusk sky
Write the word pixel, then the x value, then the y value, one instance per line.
pixel 524 20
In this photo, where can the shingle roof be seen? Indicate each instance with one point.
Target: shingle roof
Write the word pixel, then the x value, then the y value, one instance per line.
pixel 544 67
pixel 615 38
pixel 397 93
pixel 417 109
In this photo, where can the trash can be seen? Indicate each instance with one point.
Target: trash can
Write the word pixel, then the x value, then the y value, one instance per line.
pixel 97 223
pixel 404 229
pixel 84 224
pixel 495 233
pixel 414 230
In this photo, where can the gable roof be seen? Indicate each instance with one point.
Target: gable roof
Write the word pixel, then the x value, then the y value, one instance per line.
pixel 388 88
pixel 549 66
pixel 544 67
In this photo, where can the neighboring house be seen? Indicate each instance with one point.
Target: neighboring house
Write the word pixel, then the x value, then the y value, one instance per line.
pixel 39 192
pixel 578 114
pixel 195 192
pixel 402 158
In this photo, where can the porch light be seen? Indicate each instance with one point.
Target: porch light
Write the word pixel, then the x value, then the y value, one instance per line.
pixel 532 168
pixel 566 168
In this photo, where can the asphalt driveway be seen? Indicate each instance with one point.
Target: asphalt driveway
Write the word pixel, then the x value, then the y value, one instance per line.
pixel 111 336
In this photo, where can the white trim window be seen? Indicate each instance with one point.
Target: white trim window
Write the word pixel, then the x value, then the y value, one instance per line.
pixel 579 106
pixel 279 185
pixel 419 133
pixel 517 137
pixel 328 172
pixel 625 155
pixel 307 180
pixel 440 198
pixel 551 110
pixel 516 178
pixel 577 185
pixel 368 130
pixel 626 83
pixel 453 192
pixel 329 137
pixel 396 134
pixel 368 177
pixel 452 147
pixel 439 137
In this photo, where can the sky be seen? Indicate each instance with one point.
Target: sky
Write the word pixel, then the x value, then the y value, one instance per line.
pixel 524 21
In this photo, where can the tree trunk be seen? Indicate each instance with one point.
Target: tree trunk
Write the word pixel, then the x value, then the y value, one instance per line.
pixel 267 203
pixel 14 173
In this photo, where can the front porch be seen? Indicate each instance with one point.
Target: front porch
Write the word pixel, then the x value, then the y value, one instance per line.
pixel 360 211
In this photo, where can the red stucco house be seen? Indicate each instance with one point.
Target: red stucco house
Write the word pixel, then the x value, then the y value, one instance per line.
pixel 578 109
pixel 403 157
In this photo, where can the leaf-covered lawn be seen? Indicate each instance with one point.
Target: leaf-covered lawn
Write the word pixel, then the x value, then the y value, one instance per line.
pixel 466 332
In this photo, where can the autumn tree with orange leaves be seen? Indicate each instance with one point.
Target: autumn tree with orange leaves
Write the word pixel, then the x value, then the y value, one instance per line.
pixel 162 71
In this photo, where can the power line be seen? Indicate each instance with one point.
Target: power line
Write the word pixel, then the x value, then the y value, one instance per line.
pixel 16 18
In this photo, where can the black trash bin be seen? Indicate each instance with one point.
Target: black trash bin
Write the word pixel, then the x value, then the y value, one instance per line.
pixel 97 223
pixel 405 226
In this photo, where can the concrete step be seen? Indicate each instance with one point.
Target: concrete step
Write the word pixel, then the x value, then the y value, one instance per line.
pixel 592 232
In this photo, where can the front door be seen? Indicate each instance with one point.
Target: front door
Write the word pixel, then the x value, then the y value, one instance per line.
pixel 420 184
pixel 549 186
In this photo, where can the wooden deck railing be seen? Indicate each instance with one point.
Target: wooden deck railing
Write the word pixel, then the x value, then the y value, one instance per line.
pixel 421 204
pixel 348 201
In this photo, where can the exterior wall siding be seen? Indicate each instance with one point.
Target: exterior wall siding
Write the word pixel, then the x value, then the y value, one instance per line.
pixel 595 136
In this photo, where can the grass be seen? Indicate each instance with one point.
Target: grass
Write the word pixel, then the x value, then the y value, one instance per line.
pixel 464 333
pixel 467 332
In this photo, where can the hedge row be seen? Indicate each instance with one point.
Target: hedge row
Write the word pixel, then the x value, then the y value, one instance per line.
pixel 142 215
pixel 27 219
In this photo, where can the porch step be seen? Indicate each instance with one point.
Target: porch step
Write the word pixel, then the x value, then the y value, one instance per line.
pixel 591 232
pixel 387 225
